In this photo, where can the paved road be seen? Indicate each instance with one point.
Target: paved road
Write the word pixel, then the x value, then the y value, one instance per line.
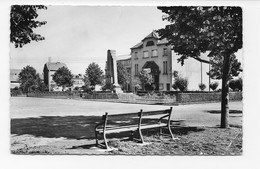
pixel 193 115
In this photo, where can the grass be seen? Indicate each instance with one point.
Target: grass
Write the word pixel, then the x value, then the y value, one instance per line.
pixel 202 141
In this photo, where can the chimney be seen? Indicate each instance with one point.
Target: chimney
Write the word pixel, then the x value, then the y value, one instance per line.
pixel 49 59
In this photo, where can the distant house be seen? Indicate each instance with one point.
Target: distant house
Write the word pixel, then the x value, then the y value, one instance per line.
pixel 78 81
pixel 49 69
pixel 14 78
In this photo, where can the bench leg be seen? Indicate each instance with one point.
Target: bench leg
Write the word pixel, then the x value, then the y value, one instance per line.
pixel 170 132
pixel 96 135
pixel 141 136
pixel 160 132
pixel 105 140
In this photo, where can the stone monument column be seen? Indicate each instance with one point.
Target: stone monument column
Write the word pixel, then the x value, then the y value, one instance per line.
pixel 117 86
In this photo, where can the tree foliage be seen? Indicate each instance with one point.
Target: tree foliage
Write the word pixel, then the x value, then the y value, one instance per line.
pixel 123 76
pixel 145 78
pixel 30 80
pixel 22 23
pixel 180 82
pixel 217 30
pixel 63 77
pixel 93 75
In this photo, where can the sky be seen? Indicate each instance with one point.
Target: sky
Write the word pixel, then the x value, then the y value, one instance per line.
pixel 80 35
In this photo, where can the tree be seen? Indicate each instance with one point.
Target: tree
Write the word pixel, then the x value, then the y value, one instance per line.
pixel 93 75
pixel 196 30
pixel 22 23
pixel 123 76
pixel 30 80
pixel 63 77
pixel 145 78
pixel 180 83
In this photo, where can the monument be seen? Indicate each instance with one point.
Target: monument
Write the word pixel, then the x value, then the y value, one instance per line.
pixel 111 71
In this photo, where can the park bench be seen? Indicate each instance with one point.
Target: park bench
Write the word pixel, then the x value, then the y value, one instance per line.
pixel 133 122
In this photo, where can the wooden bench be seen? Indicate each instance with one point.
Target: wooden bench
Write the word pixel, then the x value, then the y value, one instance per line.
pixel 133 122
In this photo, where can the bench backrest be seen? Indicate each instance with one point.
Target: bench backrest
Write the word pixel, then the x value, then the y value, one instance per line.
pixel 156 112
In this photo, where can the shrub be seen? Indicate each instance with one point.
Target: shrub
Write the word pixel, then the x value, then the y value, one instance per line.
pixel 213 85
pixel 180 83
pixel 202 86
pixel 236 84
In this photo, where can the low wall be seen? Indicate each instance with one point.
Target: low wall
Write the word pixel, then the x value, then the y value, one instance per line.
pixel 206 97
pixel 100 96
pixel 56 95
pixel 177 98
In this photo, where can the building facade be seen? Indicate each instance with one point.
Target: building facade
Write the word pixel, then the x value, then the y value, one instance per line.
pixel 48 72
pixel 78 81
pixel 156 57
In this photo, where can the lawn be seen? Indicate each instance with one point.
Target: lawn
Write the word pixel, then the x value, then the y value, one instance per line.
pixel 49 126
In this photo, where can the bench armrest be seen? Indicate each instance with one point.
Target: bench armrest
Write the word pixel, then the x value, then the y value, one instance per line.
pixel 160 119
pixel 103 123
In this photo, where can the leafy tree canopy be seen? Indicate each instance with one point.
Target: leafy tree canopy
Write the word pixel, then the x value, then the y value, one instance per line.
pixel 63 77
pixel 30 80
pixel 195 30
pixel 123 75
pixel 22 20
pixel 93 75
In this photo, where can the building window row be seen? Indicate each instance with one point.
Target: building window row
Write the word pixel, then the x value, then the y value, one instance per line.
pixel 153 54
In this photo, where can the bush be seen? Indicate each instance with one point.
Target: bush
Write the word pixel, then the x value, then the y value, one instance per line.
pixel 108 86
pixel 180 83
pixel 16 91
pixel 202 86
pixel 236 84
pixel 213 85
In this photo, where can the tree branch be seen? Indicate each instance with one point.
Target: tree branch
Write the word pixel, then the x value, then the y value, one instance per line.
pixel 201 60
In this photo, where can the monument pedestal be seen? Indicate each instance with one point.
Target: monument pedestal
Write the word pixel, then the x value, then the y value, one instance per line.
pixel 118 88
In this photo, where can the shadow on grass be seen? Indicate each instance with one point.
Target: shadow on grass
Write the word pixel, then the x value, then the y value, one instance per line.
pixel 82 127
pixel 230 112
pixel 70 127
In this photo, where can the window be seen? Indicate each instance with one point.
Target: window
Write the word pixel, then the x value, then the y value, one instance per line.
pixel 165 52
pixel 168 86
pixel 154 53
pixel 146 54
pixel 136 69
pixel 165 69
pixel 150 43
pixel 136 55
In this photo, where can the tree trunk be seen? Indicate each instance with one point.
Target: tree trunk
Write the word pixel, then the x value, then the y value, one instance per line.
pixel 225 93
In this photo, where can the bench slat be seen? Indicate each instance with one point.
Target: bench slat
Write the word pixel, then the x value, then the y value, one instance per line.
pixel 157 112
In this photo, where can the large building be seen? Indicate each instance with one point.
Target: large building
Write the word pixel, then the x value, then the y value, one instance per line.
pixel 48 71
pixel 155 56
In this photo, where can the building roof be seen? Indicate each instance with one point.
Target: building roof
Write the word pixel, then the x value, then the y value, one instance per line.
pixel 54 66
pixel 14 74
pixel 123 57
pixel 153 34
